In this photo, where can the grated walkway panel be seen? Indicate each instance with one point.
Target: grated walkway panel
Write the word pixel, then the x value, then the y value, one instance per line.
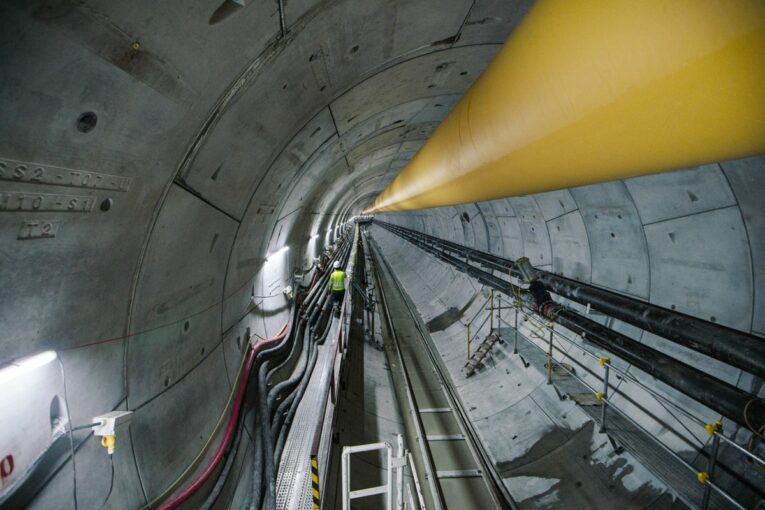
pixel 293 482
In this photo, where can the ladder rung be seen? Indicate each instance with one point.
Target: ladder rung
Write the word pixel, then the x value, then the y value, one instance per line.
pixel 445 437
pixel 372 491
pixel 461 473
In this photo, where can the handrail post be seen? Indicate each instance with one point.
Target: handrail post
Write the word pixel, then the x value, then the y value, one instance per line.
pixel 499 312
pixel 711 429
pixel 491 312
pixel 606 364
pixel 550 358
pixel 468 340
pixel 400 456
pixel 515 345
pixel 345 471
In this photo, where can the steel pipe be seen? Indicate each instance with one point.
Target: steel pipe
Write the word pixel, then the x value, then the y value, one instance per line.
pixel 736 348
pixel 728 345
pixel 735 404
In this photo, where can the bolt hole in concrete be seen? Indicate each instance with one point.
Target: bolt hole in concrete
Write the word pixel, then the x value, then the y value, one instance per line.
pixel 86 122
pixel 106 204
pixel 463 73
pixel 186 326
pixel 465 217
pixel 354 49
pixel 613 235
pixel 167 381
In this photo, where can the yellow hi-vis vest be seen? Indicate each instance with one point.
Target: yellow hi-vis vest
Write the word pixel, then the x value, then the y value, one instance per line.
pixel 337 280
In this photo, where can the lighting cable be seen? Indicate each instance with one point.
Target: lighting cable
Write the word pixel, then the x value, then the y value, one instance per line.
pixel 111 483
pixel 70 432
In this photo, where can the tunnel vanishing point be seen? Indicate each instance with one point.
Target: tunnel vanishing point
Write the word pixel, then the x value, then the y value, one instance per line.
pixel 362 254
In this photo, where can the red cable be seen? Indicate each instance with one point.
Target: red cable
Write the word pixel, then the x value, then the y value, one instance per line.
pixel 176 501
pixel 189 491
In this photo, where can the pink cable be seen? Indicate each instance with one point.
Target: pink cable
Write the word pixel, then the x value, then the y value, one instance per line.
pixel 176 501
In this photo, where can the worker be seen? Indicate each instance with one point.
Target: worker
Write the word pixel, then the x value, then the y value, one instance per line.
pixel 337 285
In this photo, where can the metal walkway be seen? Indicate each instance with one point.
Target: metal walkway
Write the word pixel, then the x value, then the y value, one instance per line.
pixel 293 483
pixel 452 461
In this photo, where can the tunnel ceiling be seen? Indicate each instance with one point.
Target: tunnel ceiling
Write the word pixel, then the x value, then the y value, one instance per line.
pixel 220 128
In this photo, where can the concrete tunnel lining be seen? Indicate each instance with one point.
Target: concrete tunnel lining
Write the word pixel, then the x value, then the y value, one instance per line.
pixel 236 143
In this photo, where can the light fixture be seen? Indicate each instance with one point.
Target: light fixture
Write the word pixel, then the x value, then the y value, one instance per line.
pixel 24 365
pixel 280 250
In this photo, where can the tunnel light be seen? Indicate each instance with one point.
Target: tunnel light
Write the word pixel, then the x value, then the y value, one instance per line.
pixel 277 252
pixel 24 365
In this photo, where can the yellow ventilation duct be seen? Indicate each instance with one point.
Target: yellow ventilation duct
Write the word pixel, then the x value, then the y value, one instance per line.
pixel 588 91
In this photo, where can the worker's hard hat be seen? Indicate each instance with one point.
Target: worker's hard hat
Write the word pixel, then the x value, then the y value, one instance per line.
pixel 336 264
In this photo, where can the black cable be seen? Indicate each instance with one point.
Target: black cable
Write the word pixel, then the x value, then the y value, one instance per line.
pixel 111 483
pixel 70 433
pixel 83 427
pixel 212 498
pixel 256 483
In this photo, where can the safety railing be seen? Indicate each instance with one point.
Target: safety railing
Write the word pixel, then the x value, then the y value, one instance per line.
pixel 394 484
pixel 471 331
pixel 714 430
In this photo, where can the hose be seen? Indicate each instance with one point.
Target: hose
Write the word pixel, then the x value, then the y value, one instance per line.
pixel 267 434
pixel 184 495
pixel 257 469
pixel 223 477
pixel 263 370
pixel 267 455
pixel 298 394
